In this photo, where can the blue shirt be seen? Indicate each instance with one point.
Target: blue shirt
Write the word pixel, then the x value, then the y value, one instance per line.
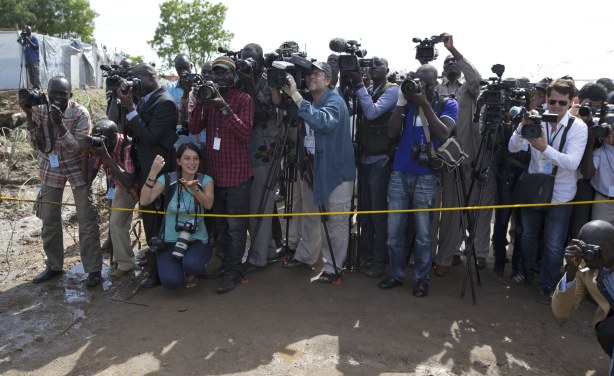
pixel 414 135
pixel 186 212
pixel 175 90
pixel 32 53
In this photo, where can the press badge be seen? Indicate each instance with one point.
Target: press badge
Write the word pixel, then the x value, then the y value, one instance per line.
pixel 217 142
pixel 111 193
pixel 53 161
pixel 545 166
pixel 310 144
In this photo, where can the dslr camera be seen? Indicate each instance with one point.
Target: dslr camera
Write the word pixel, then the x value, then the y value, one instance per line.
pixel 421 153
pixel 185 230
pixel 96 140
pixel 31 98
pixel 606 120
pixel 425 50
pixel 591 254
pixel 297 66
pixel 22 37
pixel 245 65
pixel 204 91
pixel 411 86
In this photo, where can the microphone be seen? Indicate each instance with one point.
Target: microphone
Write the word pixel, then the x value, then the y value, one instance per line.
pixel 338 45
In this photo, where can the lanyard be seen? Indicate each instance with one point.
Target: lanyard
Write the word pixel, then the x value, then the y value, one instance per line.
pixel 551 141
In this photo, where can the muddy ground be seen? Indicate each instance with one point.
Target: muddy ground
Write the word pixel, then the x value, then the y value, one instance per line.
pixel 278 323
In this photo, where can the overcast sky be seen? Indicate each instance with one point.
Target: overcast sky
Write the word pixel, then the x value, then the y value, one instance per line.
pixel 531 38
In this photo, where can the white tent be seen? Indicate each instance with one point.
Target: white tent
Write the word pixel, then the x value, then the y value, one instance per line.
pixel 79 62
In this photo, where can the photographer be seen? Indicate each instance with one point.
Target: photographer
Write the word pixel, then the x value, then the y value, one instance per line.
pixel 227 116
pixel 552 221
pixel 152 124
pixel 114 105
pixel 184 249
pixel 180 90
pixel 262 143
pixel 588 102
pixel 57 130
pixel 413 183
pixel 590 262
pixel 447 230
pixel 377 104
pixel 329 149
pixel 122 190
pixel 32 55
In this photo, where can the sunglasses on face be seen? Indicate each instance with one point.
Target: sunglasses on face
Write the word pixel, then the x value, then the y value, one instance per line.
pixel 552 102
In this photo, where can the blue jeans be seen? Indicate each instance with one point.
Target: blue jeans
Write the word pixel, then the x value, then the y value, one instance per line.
pixel 409 191
pixel 373 184
pixel 173 270
pixel 554 222
pixel 502 218
pixel 233 231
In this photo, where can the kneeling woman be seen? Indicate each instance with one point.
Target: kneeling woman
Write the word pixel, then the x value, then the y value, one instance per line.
pixel 185 249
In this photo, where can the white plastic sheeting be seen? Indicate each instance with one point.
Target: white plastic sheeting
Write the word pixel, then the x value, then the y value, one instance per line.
pixel 79 62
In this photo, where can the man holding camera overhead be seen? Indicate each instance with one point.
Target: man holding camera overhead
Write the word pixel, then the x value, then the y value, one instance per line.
pixel 425 118
pixel 557 150
pixel 227 117
pixel 57 130
pixel 590 261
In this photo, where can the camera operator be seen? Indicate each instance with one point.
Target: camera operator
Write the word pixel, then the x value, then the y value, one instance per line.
pixel 590 262
pixel 227 118
pixel 262 143
pixel 122 190
pixel 114 105
pixel 413 183
pixel 329 149
pixel 56 131
pixel 545 155
pixel 377 104
pixel 152 124
pixel 537 95
pixel 184 249
pixel 589 100
pixel 447 231
pixel 32 54
pixel 180 91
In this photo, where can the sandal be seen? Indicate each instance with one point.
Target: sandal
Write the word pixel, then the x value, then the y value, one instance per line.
pixel 190 281
pixel 326 277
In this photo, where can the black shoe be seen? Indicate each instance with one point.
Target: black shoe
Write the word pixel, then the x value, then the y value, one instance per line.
pixel 545 295
pixel 228 283
pixel 293 263
pixel 421 289
pixel 217 273
pixel 46 275
pixel 93 279
pixel 480 262
pixel 456 260
pixel 389 283
pixel 374 272
pixel 499 268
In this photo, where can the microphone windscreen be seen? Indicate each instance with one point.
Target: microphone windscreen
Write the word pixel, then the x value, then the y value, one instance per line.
pixel 337 45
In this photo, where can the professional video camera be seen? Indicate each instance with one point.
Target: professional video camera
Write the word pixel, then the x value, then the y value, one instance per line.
pixel 534 128
pixel 245 65
pixel 95 140
pixel 425 50
pixel 234 55
pixel 351 52
pixel 31 98
pixel 115 73
pixel 297 66
pixel 22 37
pixel 606 119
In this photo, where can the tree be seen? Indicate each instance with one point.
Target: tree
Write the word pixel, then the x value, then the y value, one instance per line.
pixel 60 18
pixel 195 28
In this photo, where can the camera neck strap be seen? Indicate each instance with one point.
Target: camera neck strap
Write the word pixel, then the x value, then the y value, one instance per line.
pixel 570 122
pixel 196 205
pixel 427 132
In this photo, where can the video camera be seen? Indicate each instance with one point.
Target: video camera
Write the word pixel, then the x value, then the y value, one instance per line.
pixel 296 65
pixel 31 98
pixel 115 73
pixel 606 119
pixel 23 36
pixel 425 50
pixel 352 58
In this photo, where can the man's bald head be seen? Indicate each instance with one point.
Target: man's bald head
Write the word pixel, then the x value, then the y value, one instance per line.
pixel 148 75
pixel 59 82
pixel 600 233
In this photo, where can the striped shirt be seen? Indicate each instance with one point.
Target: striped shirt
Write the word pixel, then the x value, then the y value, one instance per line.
pixel 120 152
pixel 67 148
pixel 229 163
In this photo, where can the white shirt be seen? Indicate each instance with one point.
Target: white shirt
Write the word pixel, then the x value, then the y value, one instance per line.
pixel 568 160
pixel 603 180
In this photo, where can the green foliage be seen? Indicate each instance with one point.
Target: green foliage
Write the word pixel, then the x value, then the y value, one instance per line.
pixel 195 28
pixel 135 59
pixel 60 18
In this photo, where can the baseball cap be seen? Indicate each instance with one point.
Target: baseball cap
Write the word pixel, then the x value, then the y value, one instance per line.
pixel 543 83
pixel 224 62
pixel 324 67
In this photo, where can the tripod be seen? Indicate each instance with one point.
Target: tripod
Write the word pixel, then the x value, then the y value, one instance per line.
pixel 353 259
pixel 23 83
pixel 289 171
pixel 492 140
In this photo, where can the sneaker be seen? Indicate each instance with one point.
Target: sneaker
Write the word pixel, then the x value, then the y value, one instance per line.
pixel 516 279
pixel 545 295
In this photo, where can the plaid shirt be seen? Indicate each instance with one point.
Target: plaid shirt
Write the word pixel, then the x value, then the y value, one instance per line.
pixel 231 165
pixel 67 148
pixel 126 165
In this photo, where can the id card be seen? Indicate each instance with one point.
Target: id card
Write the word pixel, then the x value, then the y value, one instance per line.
pixel 545 166
pixel 217 142
pixel 203 136
pixel 53 161
pixel 111 193
pixel 310 144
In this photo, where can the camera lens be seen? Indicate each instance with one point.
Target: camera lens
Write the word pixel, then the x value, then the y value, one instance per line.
pixel 409 87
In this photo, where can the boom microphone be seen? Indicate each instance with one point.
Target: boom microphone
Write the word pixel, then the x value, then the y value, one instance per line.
pixel 338 45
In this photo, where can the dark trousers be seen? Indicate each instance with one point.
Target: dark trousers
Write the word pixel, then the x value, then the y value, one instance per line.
pixel 581 214
pixel 34 74
pixel 605 334
pixel 232 231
